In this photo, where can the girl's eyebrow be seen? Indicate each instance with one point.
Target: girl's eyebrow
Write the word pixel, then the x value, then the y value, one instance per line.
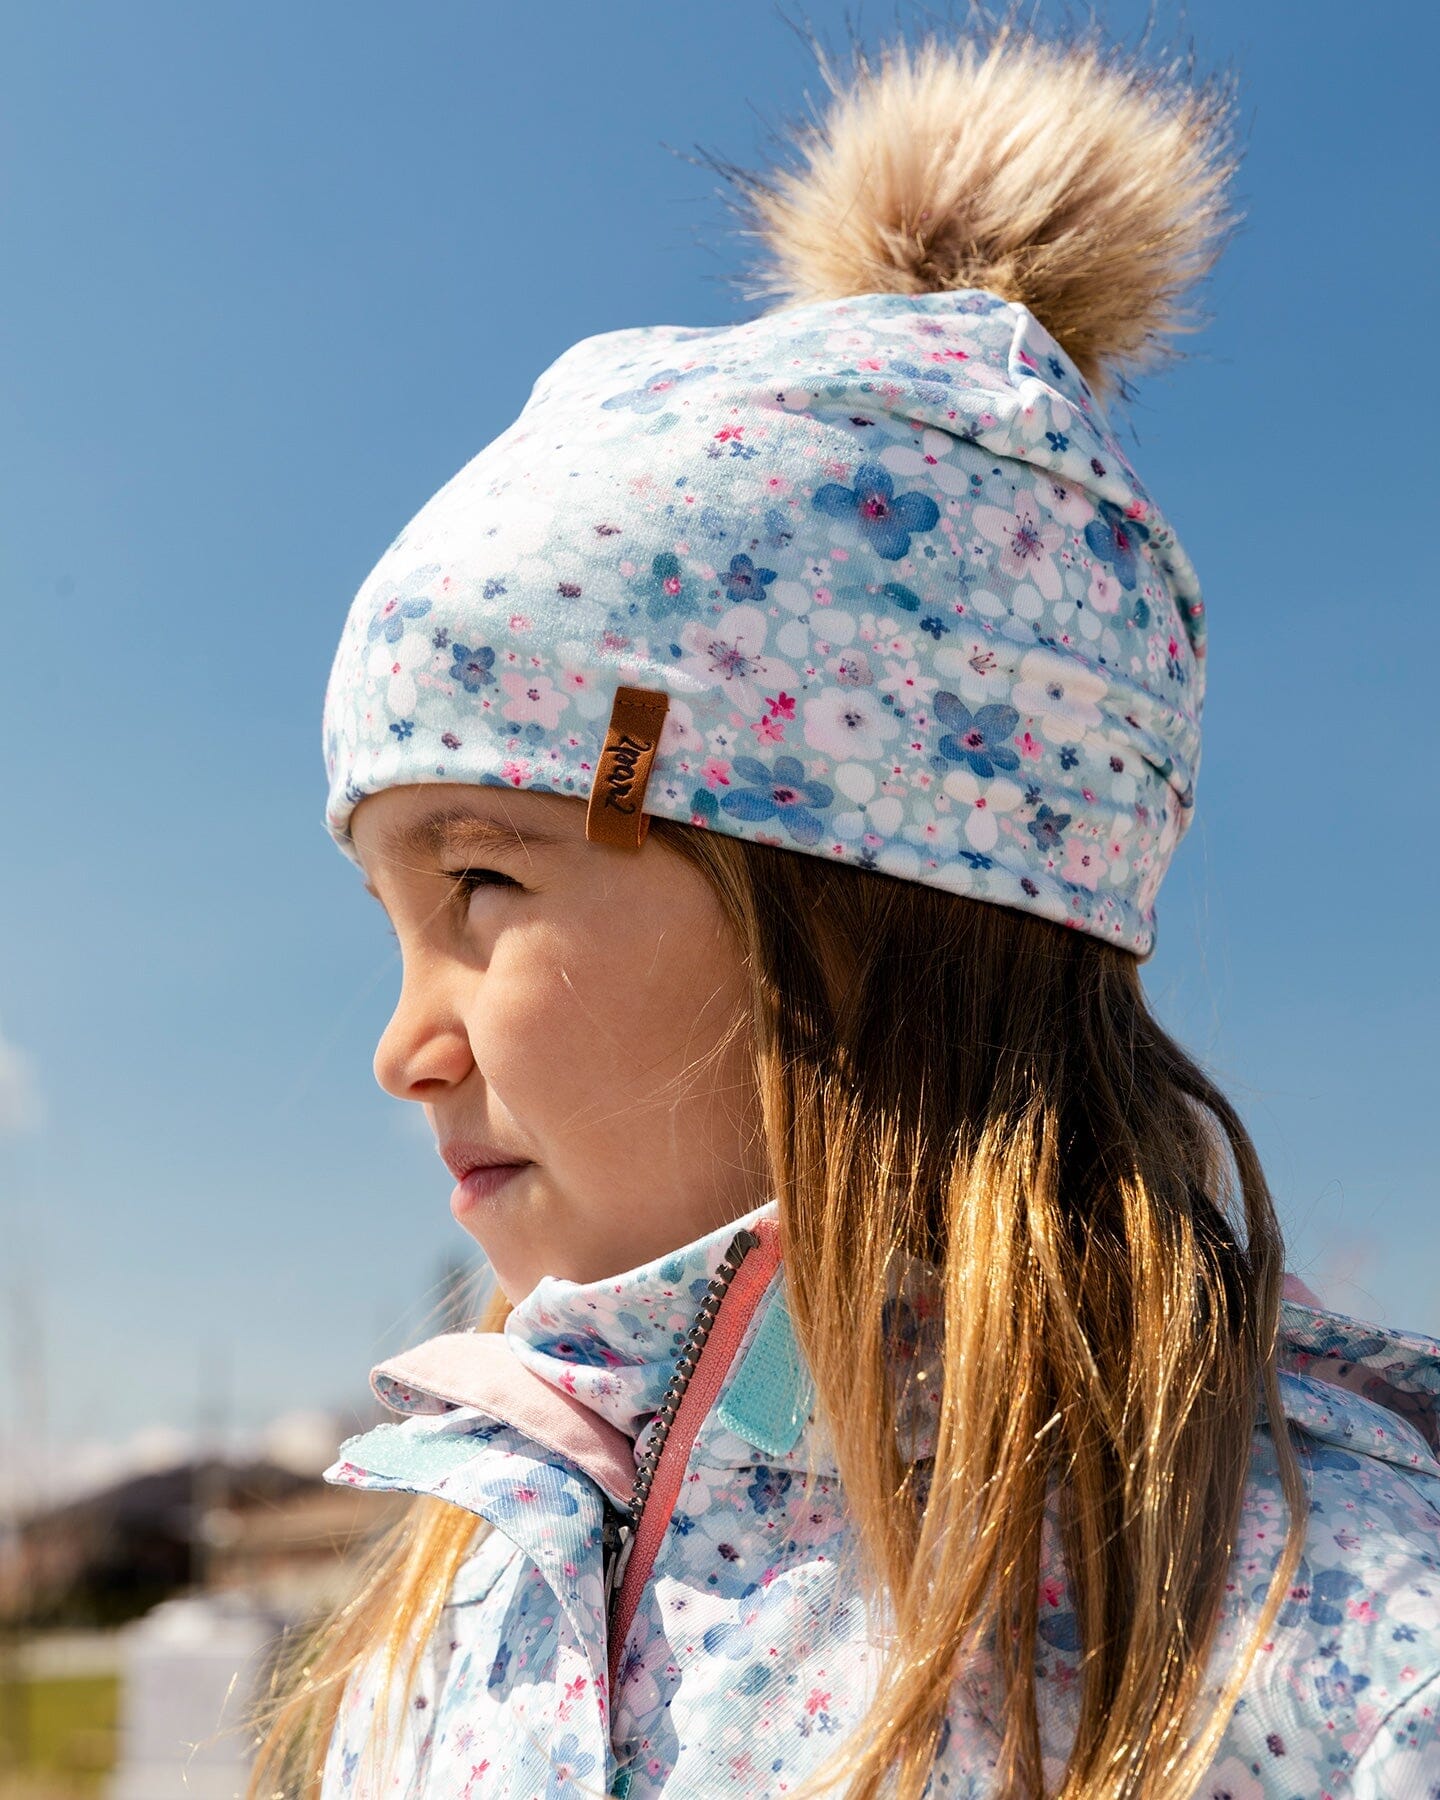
pixel 449 829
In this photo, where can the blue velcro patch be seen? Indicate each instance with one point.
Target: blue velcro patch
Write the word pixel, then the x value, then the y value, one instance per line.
pixel 770 1398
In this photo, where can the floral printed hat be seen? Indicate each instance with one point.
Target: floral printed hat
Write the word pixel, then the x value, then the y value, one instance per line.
pixel 875 558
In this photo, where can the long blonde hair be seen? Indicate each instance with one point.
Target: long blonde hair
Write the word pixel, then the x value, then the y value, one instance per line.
pixel 949 1079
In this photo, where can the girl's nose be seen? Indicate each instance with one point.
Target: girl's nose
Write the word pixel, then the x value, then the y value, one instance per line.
pixel 425 1045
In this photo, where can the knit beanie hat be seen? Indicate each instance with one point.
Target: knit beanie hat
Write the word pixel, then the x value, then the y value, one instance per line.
pixel 867 576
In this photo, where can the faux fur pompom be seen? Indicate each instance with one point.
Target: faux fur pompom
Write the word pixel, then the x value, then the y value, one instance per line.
pixel 1065 175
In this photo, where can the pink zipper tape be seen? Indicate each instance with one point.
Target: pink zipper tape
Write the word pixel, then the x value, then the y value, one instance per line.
pixel 734 1314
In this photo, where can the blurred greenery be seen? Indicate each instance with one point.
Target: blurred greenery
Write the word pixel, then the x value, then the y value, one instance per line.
pixel 57 1736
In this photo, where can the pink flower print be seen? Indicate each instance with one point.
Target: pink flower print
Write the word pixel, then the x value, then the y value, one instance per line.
pixel 1105 589
pixel 573 1690
pixel 715 772
pixel 1027 544
pixel 851 669
pixel 534 699
pixel 1029 749
pixel 515 772
pixel 1084 864
pixel 769 730
pixel 729 652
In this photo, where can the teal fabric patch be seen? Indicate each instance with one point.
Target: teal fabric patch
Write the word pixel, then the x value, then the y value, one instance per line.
pixel 395 1454
pixel 770 1398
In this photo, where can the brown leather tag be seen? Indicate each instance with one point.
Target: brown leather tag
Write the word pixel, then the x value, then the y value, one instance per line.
pixel 617 793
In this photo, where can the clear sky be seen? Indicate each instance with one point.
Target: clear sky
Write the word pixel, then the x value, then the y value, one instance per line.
pixel 273 274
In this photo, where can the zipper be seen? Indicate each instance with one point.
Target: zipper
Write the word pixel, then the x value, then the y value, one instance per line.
pixel 632 1533
pixel 621 1523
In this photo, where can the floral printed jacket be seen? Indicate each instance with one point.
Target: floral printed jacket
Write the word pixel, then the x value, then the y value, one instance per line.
pixel 731 1653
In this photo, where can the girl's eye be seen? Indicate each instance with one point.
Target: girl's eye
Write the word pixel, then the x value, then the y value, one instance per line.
pixel 468 880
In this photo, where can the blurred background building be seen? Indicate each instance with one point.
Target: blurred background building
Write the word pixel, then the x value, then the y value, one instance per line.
pixel 145 1588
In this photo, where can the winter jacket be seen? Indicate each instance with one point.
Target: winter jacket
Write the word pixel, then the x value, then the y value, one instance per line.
pixel 734 1650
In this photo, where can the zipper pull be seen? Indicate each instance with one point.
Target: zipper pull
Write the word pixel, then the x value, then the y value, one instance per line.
pixel 617 1536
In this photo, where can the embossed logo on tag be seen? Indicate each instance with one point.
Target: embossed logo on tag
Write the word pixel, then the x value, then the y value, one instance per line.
pixel 617 794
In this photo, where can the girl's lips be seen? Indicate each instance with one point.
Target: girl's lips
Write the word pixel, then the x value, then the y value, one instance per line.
pixel 481 1184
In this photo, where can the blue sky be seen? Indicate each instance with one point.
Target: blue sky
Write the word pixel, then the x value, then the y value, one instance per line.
pixel 274 275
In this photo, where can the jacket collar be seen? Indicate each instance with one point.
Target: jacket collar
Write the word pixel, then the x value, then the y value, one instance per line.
pixel 605 1351
pixel 594 1359
pixel 612 1344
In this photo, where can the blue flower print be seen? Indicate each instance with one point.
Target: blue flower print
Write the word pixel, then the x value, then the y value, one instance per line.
pixel 654 393
pixel 1046 827
pixel 931 387
pixel 1061 1630
pixel 742 1640
pixel 403 728
pixel 587 1349
pixel 407 602
pixel 768 1489
pixel 781 792
pixel 1113 538
pixel 500 1668
pixel 778 529
pixel 472 667
pixel 522 1499
pixel 569 1765
pixel 1339 1687
pixel 743 581
pixel 977 739
pixel 1319 1598
pixel 666 588
pixel 885 518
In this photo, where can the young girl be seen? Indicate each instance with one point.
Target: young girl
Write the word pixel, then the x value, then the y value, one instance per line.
pixel 767 752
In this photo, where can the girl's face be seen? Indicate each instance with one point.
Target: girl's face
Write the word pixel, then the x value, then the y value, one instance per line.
pixel 574 1012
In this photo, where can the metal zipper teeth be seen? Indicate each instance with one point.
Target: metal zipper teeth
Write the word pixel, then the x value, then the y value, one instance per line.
pixel 690 1354
pixel 695 1340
